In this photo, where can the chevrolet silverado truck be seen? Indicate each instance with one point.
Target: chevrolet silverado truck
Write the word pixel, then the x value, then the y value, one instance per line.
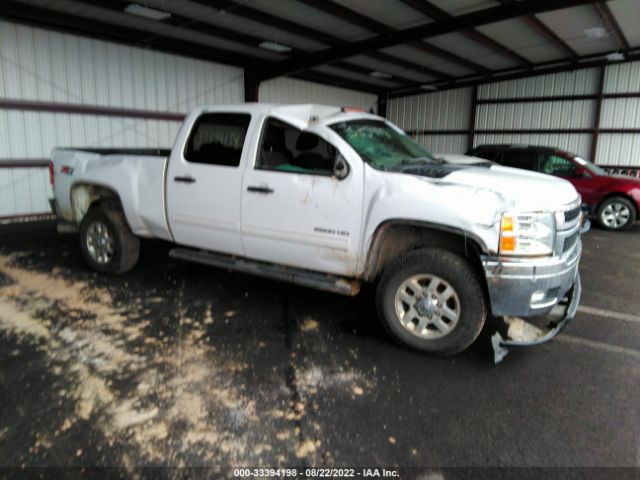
pixel 330 198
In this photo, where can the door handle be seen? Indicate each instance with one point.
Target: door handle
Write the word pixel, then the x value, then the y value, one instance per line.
pixel 260 189
pixel 185 179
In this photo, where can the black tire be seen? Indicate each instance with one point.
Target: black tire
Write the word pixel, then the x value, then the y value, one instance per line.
pixel 610 206
pixel 454 270
pixel 125 245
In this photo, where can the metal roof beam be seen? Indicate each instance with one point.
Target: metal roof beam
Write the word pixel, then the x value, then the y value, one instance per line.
pixel 185 23
pixel 56 20
pixel 542 29
pixel 610 19
pixel 250 13
pixel 178 21
pixel 351 16
pixel 406 64
pixel 447 55
pixel 355 68
pixel 497 47
pixel 370 24
pixel 436 13
pixel 337 81
pixel 461 22
pixel 542 68
pixel 268 19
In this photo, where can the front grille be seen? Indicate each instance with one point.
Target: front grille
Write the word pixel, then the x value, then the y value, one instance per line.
pixel 570 241
pixel 571 215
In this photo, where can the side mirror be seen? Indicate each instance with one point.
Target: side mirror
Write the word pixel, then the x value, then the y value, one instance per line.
pixel 340 168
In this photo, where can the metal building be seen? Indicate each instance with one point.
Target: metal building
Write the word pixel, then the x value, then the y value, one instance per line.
pixel 453 73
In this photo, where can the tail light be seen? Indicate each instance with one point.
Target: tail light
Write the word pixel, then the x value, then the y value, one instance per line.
pixel 52 177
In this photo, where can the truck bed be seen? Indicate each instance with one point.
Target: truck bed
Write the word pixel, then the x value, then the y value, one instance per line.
pixel 136 175
pixel 152 152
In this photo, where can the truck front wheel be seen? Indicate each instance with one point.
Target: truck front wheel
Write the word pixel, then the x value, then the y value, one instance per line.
pixel 431 300
pixel 107 244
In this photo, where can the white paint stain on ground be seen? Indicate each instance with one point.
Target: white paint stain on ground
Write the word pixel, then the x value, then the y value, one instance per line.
pixel 187 400
pixel 182 391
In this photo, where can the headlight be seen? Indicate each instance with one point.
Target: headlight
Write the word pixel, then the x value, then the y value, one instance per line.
pixel 527 234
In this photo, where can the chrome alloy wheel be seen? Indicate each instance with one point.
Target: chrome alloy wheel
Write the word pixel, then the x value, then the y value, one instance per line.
pixel 100 243
pixel 615 215
pixel 427 306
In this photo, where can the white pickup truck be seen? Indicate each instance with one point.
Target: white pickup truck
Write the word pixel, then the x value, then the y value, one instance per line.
pixel 329 198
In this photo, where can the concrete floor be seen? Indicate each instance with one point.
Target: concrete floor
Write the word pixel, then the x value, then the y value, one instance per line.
pixel 178 365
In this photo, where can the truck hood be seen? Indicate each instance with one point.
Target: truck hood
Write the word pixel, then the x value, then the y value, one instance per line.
pixel 520 189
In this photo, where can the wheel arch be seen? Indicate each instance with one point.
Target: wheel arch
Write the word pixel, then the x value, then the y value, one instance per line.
pixel 624 195
pixel 397 237
pixel 85 196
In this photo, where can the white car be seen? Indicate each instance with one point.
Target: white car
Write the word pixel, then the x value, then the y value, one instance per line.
pixel 329 198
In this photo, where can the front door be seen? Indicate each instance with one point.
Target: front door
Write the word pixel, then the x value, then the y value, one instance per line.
pixel 294 210
pixel 203 184
pixel 563 167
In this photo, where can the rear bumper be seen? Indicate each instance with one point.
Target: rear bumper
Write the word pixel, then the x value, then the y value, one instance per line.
pixel 531 287
pixel 63 226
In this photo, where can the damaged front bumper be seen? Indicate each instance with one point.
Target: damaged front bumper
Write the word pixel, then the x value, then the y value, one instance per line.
pixel 521 333
pixel 543 290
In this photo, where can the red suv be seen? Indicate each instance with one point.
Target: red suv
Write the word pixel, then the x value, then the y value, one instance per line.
pixel 614 200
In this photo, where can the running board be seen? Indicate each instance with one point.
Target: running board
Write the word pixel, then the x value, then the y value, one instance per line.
pixel 321 281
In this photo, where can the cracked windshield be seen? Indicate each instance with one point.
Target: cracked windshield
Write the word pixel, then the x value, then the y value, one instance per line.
pixel 381 146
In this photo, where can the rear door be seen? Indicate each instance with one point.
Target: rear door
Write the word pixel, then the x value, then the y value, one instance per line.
pixel 204 183
pixel 294 211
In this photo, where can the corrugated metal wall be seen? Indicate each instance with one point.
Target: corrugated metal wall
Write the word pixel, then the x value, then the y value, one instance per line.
pixel 435 112
pixel 542 115
pixel 50 66
pixel 502 116
pixel 536 115
pixel 578 82
pixel 291 90
pixel 46 66
pixel 620 148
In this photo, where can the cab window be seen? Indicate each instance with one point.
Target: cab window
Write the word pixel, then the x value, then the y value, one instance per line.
pixel 217 139
pixel 284 148
pixel 556 165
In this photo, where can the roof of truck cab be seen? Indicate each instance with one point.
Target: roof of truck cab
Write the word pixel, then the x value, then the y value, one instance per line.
pixel 304 113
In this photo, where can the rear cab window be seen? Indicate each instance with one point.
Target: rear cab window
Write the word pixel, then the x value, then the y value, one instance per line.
pixel 217 139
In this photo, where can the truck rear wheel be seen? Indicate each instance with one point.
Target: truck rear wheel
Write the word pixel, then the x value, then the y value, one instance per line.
pixel 432 300
pixel 107 244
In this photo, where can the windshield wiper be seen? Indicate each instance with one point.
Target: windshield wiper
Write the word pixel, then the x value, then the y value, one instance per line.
pixel 412 162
